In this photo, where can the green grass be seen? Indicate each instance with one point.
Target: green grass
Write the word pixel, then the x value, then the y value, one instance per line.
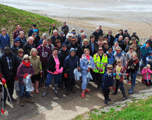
pixel 11 17
pixel 141 110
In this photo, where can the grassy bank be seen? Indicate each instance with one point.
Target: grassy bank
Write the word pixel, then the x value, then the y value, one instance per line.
pixel 11 17
pixel 141 110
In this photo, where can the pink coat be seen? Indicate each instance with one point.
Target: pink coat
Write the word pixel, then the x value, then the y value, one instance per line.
pixel 144 71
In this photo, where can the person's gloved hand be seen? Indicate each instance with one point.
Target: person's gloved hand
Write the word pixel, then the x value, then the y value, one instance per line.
pixel 65 75
pixel 88 70
pixel 127 74
pixel 101 70
pixel 3 81
pixel 24 76
pixel 41 73
pixel 78 68
pixel 114 74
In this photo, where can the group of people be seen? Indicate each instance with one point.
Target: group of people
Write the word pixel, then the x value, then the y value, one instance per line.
pixel 106 60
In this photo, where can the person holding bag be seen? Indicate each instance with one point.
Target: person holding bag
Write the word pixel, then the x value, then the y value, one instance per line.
pixel 23 71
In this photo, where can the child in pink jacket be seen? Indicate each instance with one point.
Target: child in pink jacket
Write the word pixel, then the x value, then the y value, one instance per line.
pixel 146 71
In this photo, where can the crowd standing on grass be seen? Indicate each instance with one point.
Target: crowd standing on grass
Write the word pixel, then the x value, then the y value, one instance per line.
pixel 106 60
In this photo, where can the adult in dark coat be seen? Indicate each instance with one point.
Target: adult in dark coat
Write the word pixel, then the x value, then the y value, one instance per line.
pixel 150 41
pixel 70 63
pixel 63 37
pixel 110 38
pixel 52 28
pixel 16 46
pixel 37 39
pixel 9 64
pixel 135 35
pixel 76 46
pixel 22 38
pixel 85 44
pixel 32 30
pixel 118 34
pixel 126 34
pixel 65 28
pixel 97 33
pixel 94 45
pixel 55 37
pixel 28 45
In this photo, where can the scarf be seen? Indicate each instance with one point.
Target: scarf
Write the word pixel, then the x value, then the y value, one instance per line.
pixel 26 64
pixel 88 57
pixel 119 54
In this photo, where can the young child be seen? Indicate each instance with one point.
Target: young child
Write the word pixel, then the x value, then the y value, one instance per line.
pixel 132 68
pixel 107 83
pixel 118 74
pixel 146 71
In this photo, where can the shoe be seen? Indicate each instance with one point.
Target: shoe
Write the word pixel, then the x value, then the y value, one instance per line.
pixel 124 98
pixel 86 90
pixel 13 100
pixel 37 91
pixel 21 103
pixel 45 92
pixel 55 90
pixel 29 100
pixel 105 101
pixel 130 92
pixel 73 92
pixel 83 94
pixel 109 99
pixel 67 93
pixel 114 93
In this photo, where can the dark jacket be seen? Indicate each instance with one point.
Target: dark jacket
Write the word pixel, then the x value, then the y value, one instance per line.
pixel 63 39
pixel 95 48
pixel 14 49
pixel 36 41
pixel 110 40
pixel 51 63
pixel 16 33
pixel 54 39
pixel 40 42
pixel 89 47
pixel 150 42
pixel 31 31
pixel 65 29
pixel 133 66
pixel 117 35
pixel 9 76
pixel 4 41
pixel 121 44
pixel 22 41
pixel 51 30
pixel 107 81
pixel 126 35
pixel 70 64
pixel 97 34
pixel 63 54
pixel 135 37
pixel 27 48
pixel 77 47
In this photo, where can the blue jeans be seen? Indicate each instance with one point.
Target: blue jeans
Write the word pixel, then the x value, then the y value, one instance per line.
pixel 133 80
pixel 22 90
pixel 50 77
pixel 85 81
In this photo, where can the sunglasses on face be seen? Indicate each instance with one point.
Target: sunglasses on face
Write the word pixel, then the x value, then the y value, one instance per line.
pixel 21 52
pixel 131 48
pixel 73 40
pixel 26 59
pixel 17 42
pixel 100 50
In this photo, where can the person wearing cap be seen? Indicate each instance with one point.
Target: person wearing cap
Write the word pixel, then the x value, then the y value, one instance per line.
pixel 4 40
pixel 63 53
pixel 23 70
pixel 150 40
pixel 97 33
pixel 105 46
pixel 16 46
pixel 126 34
pixel 49 44
pixel 119 33
pixel 32 30
pixel 110 55
pixel 44 52
pixel 55 36
pixel 107 83
pixel 120 55
pixel 22 38
pixel 53 27
pixel 86 63
pixel 110 38
pixel 55 68
pixel 17 32
pixel 36 63
pixel 44 36
pixel 134 34
pixel 100 60
pixel 9 64
pixel 136 46
pixel 76 46
pixel 65 28
pixel 93 44
pixel 149 59
pixel 100 30
pixel 28 45
pixel 63 37
pixel 85 44
pixel 118 72
pixel 37 38
pixel 132 67
pixel 71 62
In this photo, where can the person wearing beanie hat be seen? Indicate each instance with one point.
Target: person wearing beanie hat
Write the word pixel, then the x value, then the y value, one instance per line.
pixel 37 38
pixel 16 46
pixel 71 62
pixel 32 30
pixel 63 53
pixel 23 70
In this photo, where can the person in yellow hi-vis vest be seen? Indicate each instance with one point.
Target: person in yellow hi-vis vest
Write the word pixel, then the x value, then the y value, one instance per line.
pixel 100 60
